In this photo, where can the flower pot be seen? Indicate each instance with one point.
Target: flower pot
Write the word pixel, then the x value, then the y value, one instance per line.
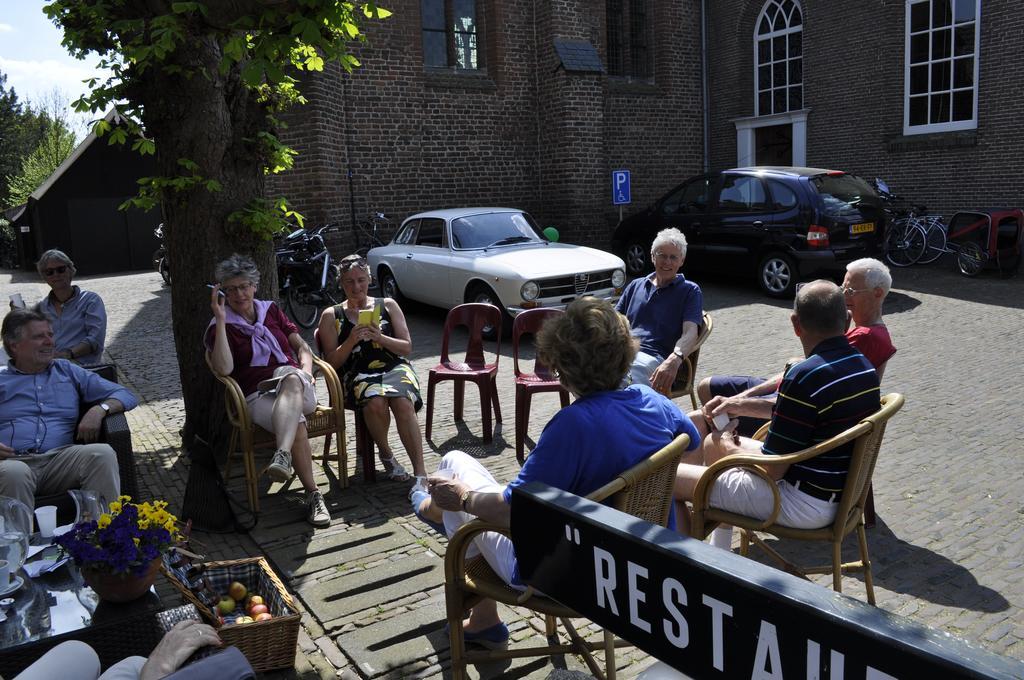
pixel 121 587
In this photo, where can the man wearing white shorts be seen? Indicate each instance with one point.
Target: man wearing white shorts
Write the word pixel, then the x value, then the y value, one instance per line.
pixel 821 396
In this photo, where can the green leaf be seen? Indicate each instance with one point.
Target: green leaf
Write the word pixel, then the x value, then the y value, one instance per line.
pixel 252 72
pixel 118 136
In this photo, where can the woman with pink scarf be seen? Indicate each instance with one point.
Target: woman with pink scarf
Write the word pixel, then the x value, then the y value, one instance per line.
pixel 256 344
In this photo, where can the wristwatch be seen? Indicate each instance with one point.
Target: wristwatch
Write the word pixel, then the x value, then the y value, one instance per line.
pixel 105 406
pixel 463 498
pixel 678 352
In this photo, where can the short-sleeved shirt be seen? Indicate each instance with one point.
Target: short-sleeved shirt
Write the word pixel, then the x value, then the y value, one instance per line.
pixel 83 318
pixel 41 410
pixel 873 342
pixel 828 392
pixel 240 344
pixel 656 315
pixel 588 443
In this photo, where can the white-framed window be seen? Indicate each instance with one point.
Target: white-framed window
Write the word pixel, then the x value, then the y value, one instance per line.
pixel 778 58
pixel 940 80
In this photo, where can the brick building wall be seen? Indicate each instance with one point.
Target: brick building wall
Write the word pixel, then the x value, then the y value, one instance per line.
pixel 853 86
pixel 521 133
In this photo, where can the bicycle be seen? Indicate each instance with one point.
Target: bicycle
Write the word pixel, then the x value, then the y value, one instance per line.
pixel 368 232
pixel 307 275
pixel 913 237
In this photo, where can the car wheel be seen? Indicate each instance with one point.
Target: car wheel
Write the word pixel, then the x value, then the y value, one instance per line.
pixel 777 275
pixel 638 258
pixel 389 286
pixel 484 295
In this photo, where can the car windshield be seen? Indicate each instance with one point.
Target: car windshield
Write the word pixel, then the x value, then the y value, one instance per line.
pixel 493 229
pixel 844 195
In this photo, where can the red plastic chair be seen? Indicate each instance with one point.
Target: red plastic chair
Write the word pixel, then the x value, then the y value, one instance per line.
pixel 474 316
pixel 527 384
pixel 364 442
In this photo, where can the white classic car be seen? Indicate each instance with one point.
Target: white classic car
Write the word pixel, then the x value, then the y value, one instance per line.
pixel 493 255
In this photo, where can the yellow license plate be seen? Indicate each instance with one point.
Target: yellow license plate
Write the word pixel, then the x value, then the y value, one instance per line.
pixel 862 228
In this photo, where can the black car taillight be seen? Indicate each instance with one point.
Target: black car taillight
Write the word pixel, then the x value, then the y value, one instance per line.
pixel 817 237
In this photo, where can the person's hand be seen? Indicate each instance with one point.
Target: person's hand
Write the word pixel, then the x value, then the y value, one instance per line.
pixel 717 404
pixel 6 452
pixel 374 334
pixel 726 438
pixel 446 493
pixel 217 302
pixel 361 333
pixel 665 374
pixel 89 426
pixel 177 645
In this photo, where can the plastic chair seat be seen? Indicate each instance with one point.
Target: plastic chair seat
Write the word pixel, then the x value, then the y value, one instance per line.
pixel 526 383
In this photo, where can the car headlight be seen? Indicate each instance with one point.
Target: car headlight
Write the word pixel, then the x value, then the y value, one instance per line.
pixel 618 278
pixel 530 291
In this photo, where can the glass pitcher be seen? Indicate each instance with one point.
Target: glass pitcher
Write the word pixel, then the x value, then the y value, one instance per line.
pixel 15 531
pixel 89 505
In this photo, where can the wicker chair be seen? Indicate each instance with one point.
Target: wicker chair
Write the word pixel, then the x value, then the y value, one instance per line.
pixel 114 431
pixel 644 490
pixel 867 436
pixel 684 382
pixel 246 436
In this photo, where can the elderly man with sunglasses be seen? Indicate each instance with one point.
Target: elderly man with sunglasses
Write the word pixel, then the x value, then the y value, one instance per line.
pixel 751 399
pixel 40 399
pixel 78 316
pixel 664 311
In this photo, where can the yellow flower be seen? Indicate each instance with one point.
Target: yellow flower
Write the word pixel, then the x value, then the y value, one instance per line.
pixel 115 508
pixel 104 521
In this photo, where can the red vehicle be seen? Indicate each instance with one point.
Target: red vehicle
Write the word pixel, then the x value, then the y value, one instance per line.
pixel 985 238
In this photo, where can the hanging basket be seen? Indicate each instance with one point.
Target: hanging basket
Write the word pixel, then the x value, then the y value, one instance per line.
pixel 121 587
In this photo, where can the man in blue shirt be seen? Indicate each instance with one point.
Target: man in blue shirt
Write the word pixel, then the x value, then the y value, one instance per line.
pixel 664 311
pixel 78 316
pixel 40 399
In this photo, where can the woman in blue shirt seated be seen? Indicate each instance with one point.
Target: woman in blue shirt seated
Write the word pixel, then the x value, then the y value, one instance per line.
pixel 584 446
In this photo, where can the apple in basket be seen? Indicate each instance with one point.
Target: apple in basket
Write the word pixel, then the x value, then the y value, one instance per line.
pixel 264 616
pixel 226 605
pixel 258 609
pixel 244 619
pixel 254 600
pixel 237 591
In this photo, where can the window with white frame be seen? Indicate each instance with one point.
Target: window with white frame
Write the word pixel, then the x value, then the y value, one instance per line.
pixel 778 58
pixel 941 72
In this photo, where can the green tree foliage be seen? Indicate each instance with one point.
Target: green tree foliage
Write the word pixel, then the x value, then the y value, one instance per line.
pixel 57 145
pixel 200 84
pixel 21 131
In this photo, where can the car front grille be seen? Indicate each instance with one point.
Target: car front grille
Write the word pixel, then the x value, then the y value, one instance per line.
pixel 568 287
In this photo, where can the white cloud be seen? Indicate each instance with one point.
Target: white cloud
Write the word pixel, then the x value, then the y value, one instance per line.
pixel 5 28
pixel 33 81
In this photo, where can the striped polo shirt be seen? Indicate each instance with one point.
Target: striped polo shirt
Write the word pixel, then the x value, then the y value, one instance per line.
pixel 828 392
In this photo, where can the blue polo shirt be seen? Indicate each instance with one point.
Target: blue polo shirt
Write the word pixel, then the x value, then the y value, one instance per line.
pixel 656 315
pixel 41 410
pixel 828 392
pixel 83 319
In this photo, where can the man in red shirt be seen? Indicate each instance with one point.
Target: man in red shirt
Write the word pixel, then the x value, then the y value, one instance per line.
pixel 750 399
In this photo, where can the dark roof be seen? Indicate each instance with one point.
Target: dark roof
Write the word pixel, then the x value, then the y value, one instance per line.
pixel 578 56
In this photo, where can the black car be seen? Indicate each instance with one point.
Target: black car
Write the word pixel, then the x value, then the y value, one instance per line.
pixel 782 224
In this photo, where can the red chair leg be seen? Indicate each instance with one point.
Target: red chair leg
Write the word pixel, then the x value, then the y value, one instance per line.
pixel 431 383
pixel 494 397
pixel 522 423
pixel 485 408
pixel 460 393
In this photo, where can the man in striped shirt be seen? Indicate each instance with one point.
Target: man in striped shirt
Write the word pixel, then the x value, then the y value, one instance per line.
pixel 832 389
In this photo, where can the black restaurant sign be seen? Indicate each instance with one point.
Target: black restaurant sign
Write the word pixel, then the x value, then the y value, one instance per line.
pixel 712 614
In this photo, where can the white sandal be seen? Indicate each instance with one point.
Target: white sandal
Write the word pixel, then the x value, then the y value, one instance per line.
pixel 393 470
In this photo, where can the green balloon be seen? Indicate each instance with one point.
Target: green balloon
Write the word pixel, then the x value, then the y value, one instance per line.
pixel 551 234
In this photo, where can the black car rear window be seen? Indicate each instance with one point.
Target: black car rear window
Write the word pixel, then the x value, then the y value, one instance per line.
pixel 842 194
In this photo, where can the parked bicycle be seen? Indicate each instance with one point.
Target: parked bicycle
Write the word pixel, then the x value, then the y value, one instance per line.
pixel 373 232
pixel 161 262
pixel 307 274
pixel 913 236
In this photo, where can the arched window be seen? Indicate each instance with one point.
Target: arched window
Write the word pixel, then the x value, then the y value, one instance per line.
pixel 778 58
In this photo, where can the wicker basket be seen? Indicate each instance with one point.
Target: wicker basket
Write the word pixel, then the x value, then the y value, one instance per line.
pixel 268 645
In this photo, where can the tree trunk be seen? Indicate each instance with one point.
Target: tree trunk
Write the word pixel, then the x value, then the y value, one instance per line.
pixel 211 121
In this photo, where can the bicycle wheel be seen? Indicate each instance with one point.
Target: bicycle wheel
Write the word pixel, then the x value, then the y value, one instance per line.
pixel 302 307
pixel 970 259
pixel 935 240
pixel 904 244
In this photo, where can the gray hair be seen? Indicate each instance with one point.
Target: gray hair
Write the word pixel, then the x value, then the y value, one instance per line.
pixel 15 320
pixel 237 266
pixel 672 236
pixel 876 274
pixel 820 307
pixel 54 254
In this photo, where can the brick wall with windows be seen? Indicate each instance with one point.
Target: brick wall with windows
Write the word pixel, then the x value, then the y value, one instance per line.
pixel 518 131
pixel 853 75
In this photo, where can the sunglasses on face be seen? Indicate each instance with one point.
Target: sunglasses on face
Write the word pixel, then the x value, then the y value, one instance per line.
pixel 50 271
pixel 351 264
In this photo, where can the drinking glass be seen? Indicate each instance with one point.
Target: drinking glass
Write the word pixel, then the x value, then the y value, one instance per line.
pixel 15 530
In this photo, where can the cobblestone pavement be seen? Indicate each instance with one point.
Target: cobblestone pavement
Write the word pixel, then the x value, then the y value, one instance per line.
pixel 947 548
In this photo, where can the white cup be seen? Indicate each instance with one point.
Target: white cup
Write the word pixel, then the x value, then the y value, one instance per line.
pixel 46 518
pixel 17 301
pixel 5 573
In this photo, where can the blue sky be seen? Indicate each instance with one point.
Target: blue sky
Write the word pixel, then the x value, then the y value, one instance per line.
pixel 33 59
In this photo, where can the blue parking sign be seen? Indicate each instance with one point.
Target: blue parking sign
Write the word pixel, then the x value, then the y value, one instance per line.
pixel 620 187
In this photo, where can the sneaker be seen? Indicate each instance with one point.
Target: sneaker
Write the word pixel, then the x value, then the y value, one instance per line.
pixel 419 485
pixel 493 638
pixel 319 515
pixel 280 468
